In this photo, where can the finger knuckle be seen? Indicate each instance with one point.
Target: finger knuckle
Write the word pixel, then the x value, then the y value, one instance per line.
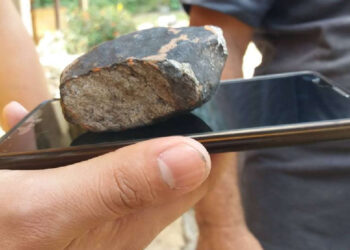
pixel 132 192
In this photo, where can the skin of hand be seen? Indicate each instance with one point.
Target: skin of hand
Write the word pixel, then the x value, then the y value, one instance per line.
pixel 120 200
pixel 219 214
pixel 21 76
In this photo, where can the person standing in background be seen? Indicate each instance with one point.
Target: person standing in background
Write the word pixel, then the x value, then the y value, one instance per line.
pixel 294 197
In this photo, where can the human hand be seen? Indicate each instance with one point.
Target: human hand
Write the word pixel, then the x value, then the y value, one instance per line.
pixel 12 113
pixel 120 200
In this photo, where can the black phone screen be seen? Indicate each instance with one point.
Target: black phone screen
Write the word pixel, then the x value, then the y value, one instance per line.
pixel 238 104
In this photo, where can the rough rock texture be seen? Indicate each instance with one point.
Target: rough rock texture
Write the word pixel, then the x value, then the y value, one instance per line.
pixel 143 77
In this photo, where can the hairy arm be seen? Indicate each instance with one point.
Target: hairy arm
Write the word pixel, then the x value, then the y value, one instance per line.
pixel 219 214
pixel 21 76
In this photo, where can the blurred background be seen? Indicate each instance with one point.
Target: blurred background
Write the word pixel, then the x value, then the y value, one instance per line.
pixel 65 29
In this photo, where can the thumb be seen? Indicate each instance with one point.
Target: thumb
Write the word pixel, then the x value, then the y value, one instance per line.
pixel 12 113
pixel 119 183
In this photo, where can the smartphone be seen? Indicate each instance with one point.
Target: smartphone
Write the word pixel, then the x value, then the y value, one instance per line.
pixel 244 114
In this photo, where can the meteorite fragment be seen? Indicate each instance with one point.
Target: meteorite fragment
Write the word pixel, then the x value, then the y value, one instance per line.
pixel 142 77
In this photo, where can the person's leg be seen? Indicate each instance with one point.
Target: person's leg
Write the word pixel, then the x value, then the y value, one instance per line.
pixel 21 76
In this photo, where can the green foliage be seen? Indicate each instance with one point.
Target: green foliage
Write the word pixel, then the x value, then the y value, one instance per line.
pixel 48 3
pixel 137 6
pixel 133 6
pixel 85 29
pixel 174 4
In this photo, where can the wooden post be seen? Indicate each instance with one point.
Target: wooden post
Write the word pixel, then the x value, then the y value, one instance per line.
pixel 57 14
pixel 84 4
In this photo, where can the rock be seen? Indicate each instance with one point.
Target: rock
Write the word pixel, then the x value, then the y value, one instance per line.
pixel 143 77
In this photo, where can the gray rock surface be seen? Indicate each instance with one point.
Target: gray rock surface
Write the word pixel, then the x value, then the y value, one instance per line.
pixel 142 77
